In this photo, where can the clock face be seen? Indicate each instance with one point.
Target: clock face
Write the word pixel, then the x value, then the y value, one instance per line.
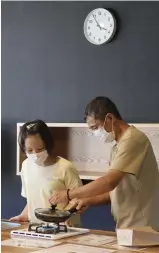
pixel 99 26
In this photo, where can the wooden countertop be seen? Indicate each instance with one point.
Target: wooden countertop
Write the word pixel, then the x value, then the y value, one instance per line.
pixel 5 234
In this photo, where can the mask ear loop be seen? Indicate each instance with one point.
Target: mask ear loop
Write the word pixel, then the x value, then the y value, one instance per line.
pixel 112 144
pixel 104 122
pixel 112 126
pixel 112 123
pixel 113 130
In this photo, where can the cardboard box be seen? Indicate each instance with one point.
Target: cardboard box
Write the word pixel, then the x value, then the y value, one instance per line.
pixel 137 237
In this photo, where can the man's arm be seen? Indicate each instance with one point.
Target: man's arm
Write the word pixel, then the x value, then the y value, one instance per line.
pixel 102 199
pixel 97 187
pixel 128 160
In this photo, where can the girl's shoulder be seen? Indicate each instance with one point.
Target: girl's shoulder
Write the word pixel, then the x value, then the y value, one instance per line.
pixel 65 165
pixel 27 164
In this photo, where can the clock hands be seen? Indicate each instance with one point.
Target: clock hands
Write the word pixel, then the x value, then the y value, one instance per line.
pixel 104 28
pixel 96 21
pixel 101 28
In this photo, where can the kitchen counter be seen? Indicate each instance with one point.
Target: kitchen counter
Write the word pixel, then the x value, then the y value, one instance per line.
pixel 5 234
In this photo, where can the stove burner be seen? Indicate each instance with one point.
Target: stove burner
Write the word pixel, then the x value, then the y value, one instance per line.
pixel 47 228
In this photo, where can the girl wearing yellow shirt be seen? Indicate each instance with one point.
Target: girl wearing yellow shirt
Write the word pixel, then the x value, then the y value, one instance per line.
pixel 42 172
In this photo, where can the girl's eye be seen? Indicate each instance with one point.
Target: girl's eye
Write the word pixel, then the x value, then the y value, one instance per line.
pixel 40 149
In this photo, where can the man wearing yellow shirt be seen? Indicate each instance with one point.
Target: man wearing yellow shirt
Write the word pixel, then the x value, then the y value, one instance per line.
pixel 132 181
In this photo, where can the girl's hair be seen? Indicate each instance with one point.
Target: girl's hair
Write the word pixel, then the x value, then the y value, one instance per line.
pixel 33 128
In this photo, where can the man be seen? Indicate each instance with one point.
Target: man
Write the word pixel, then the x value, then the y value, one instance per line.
pixel 132 181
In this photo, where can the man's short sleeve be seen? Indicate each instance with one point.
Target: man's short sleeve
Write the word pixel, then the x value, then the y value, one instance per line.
pixel 129 156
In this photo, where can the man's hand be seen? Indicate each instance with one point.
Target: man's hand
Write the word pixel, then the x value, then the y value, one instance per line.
pixel 80 204
pixel 59 197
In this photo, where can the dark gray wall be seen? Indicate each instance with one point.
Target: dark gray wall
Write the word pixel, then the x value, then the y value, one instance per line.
pixel 50 71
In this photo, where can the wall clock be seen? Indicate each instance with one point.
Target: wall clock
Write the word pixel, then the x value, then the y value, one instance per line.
pixel 99 26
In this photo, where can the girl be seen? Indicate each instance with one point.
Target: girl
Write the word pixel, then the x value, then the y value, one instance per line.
pixel 42 172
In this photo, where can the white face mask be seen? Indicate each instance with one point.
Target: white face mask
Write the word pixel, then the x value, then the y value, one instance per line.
pixel 103 135
pixel 38 158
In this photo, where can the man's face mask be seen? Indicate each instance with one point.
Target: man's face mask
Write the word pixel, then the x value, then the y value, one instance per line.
pixel 103 135
pixel 38 158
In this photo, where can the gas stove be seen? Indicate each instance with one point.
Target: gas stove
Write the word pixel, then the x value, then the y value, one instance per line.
pixel 49 228
pixel 48 231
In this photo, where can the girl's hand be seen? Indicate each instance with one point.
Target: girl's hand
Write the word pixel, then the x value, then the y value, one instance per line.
pixel 59 197
pixel 19 218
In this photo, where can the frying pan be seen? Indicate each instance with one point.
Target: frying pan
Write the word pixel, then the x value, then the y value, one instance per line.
pixel 53 215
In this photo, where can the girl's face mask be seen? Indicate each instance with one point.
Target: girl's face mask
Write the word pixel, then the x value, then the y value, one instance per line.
pixel 38 158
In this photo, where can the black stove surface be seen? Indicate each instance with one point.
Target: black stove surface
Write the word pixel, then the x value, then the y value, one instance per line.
pixel 47 228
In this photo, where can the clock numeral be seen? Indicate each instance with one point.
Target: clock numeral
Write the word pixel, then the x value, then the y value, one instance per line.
pixel 99 39
pixel 94 15
pixel 104 14
pixel 90 34
pixel 90 21
pixel 99 13
pixel 110 25
pixel 108 31
pixel 94 38
pixel 88 27
pixel 108 19
pixel 105 37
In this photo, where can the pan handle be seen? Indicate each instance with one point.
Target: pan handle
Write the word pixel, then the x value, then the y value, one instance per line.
pixel 73 210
